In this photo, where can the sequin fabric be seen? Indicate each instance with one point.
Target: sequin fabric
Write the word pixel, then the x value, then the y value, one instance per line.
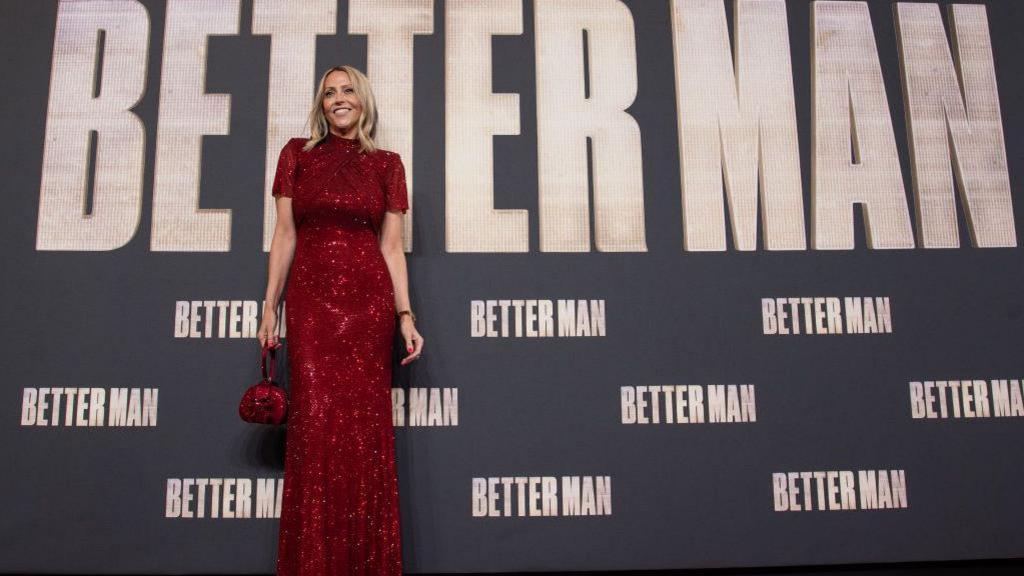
pixel 339 509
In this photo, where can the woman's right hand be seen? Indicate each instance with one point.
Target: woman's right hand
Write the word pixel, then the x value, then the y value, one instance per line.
pixel 267 333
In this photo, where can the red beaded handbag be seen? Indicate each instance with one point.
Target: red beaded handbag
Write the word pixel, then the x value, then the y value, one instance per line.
pixel 265 402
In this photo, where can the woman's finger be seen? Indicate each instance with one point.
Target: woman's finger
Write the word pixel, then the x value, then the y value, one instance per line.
pixel 417 350
pixel 412 356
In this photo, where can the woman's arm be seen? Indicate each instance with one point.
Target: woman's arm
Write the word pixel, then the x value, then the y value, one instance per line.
pixel 394 256
pixel 282 249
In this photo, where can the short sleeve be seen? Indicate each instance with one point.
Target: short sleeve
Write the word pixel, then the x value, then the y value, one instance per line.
pixel 396 195
pixel 287 169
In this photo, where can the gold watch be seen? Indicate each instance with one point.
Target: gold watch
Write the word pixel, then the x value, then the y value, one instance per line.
pixel 409 312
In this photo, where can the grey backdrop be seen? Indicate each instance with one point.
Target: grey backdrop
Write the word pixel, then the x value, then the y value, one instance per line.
pixel 91 500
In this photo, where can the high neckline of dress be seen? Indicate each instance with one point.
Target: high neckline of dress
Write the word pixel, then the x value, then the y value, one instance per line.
pixel 342 140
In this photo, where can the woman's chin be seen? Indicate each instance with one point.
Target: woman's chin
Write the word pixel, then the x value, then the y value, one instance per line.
pixel 341 129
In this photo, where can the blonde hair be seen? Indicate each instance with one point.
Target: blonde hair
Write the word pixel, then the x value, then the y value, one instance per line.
pixel 366 124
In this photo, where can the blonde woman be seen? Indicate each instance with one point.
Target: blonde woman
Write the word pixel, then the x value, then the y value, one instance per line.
pixel 340 203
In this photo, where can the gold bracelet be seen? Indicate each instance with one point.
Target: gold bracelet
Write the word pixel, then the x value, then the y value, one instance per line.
pixel 409 312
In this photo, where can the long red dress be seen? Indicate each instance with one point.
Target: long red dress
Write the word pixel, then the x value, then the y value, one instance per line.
pixel 339 510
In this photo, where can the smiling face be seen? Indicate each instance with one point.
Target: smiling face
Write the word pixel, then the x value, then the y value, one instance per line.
pixel 341 105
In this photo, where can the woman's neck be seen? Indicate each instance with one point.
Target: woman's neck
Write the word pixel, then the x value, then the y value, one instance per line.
pixel 350 136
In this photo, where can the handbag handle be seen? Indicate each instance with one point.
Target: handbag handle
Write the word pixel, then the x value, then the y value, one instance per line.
pixel 263 363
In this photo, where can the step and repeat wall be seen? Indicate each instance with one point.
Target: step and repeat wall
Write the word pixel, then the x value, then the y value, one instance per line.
pixel 703 283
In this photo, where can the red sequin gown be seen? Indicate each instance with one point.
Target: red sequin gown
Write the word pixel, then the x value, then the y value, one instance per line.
pixel 339 510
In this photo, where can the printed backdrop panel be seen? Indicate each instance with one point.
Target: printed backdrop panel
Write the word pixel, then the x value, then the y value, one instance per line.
pixel 703 283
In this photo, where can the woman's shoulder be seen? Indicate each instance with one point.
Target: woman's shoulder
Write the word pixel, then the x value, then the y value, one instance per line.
pixel 388 156
pixel 296 143
pixel 293 147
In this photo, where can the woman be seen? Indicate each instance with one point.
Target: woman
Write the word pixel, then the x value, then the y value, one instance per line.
pixel 340 202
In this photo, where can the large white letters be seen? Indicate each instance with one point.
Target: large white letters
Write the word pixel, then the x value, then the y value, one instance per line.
pixel 953 110
pixel 854 154
pixel 76 109
pixel 293 27
pixel 567 117
pixel 186 114
pixel 389 29
pixel 473 115
pixel 737 125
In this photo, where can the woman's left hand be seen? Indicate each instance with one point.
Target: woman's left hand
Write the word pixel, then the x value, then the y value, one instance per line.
pixel 413 340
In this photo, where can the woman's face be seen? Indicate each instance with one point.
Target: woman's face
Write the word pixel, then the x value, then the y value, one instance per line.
pixel 341 105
